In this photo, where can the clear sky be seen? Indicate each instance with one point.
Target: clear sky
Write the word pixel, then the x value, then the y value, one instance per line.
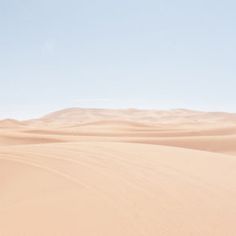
pixel 125 53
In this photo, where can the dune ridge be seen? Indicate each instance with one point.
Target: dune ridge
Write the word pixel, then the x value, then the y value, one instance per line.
pixel 175 116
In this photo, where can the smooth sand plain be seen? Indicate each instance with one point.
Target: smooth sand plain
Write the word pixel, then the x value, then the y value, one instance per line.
pixel 98 172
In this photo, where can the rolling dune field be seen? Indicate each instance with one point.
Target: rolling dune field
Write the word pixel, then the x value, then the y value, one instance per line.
pixel 101 172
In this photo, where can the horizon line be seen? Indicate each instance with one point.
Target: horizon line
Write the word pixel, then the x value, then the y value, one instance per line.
pixel 122 109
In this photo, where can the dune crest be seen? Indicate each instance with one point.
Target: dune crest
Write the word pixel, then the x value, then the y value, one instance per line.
pixel 175 116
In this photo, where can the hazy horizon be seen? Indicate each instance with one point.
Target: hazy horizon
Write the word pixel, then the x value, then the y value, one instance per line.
pixel 107 108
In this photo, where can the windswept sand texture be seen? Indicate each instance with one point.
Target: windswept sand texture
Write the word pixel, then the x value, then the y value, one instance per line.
pixel 98 172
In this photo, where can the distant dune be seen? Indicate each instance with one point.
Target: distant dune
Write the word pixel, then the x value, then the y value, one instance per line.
pixel 119 172
pixel 11 123
pixel 80 115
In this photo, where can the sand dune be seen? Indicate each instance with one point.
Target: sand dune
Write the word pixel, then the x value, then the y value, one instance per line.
pixel 177 116
pixel 11 123
pixel 119 172
pixel 116 189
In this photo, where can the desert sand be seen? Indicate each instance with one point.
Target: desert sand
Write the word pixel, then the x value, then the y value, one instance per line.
pixel 101 172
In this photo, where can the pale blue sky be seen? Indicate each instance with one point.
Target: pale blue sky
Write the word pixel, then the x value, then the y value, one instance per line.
pixel 127 53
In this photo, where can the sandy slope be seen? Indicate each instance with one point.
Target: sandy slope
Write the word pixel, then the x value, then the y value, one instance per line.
pixel 109 176
pixel 116 189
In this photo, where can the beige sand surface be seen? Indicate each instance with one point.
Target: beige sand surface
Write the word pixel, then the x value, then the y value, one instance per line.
pixel 97 172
